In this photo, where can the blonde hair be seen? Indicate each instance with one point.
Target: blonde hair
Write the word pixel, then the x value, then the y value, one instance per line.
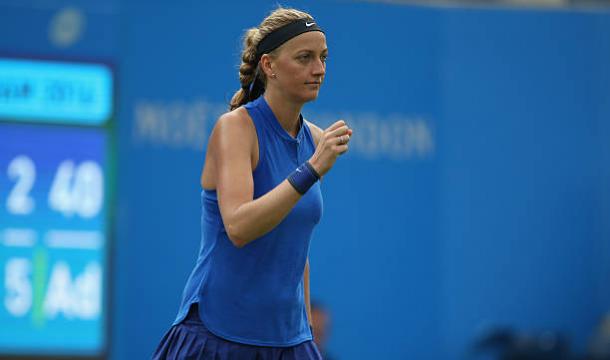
pixel 248 69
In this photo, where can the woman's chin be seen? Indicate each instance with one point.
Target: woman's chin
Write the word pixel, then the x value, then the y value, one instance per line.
pixel 311 95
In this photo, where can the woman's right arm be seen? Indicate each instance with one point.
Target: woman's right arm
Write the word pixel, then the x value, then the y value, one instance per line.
pixel 245 218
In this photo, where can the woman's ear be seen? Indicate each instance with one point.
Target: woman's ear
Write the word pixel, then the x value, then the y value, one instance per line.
pixel 266 64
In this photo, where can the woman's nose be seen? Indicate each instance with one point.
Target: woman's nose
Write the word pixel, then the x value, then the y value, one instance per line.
pixel 319 67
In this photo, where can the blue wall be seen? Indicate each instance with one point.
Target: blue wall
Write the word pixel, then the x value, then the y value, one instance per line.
pixel 521 157
pixel 476 192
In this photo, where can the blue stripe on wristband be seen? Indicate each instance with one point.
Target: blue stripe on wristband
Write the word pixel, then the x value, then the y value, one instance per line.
pixel 303 177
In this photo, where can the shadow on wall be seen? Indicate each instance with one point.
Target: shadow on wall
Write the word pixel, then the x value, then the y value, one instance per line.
pixel 510 344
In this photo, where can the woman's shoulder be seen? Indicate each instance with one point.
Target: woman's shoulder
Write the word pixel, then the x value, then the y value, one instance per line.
pixel 237 120
pixel 232 128
pixel 315 130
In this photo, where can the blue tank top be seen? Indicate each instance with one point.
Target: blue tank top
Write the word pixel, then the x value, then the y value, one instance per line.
pixel 255 295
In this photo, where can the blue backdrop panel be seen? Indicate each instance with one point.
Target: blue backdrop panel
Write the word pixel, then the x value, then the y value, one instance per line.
pixel 602 26
pixel 62 28
pixel 521 222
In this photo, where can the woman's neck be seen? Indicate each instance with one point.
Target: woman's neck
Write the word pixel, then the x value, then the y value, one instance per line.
pixel 286 112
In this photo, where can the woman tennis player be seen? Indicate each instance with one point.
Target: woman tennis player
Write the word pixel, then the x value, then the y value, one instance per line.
pixel 248 295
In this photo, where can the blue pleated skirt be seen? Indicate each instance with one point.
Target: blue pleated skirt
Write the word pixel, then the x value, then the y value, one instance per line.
pixel 191 340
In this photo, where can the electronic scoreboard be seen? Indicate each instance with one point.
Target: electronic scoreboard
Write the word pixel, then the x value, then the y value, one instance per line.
pixel 54 194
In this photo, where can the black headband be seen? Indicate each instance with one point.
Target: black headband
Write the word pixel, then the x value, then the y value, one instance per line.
pixel 276 38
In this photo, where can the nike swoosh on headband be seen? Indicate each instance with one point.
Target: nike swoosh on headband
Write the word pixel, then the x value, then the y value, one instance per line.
pixel 308 24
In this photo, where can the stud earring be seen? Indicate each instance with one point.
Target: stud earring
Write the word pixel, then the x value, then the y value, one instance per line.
pixel 273 75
